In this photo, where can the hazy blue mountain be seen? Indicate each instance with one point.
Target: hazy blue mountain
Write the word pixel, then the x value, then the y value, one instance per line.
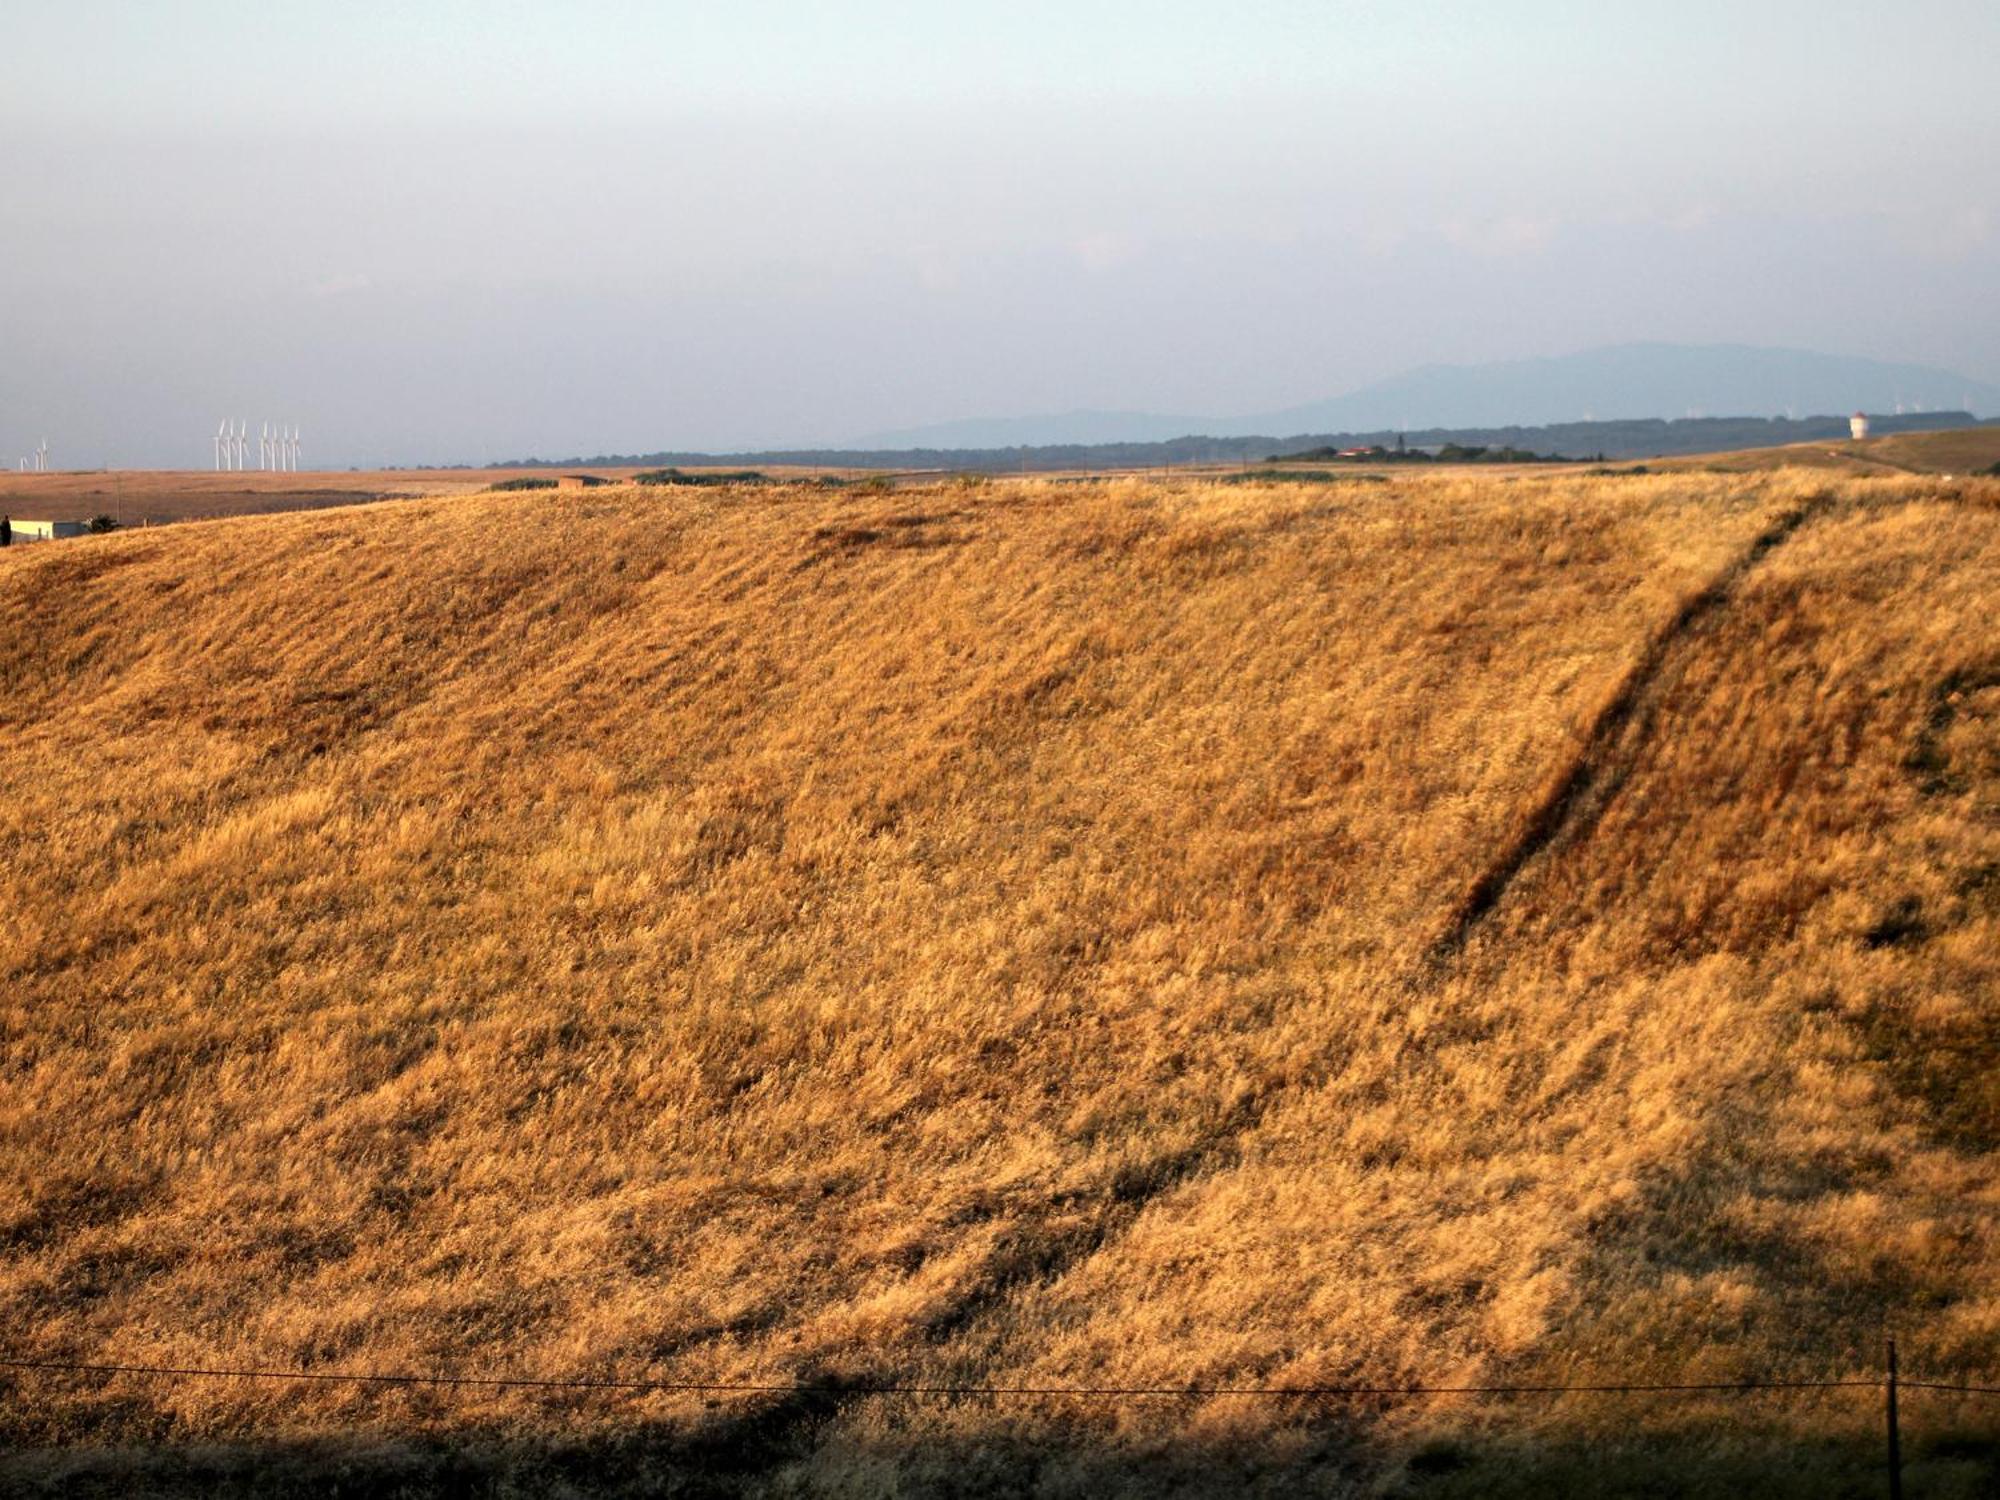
pixel 1622 381
pixel 1638 380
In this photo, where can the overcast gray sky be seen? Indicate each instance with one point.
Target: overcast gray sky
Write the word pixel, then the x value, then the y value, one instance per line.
pixel 453 231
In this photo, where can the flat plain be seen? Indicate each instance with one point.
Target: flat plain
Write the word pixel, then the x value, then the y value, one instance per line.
pixel 140 498
pixel 1455 930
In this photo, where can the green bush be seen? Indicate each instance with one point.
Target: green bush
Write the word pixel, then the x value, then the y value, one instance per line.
pixel 676 476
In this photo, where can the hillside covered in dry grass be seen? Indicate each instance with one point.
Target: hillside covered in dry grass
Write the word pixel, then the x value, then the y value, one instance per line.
pixel 1446 931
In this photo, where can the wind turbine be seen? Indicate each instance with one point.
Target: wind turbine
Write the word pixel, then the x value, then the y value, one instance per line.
pixel 242 442
pixel 42 457
pixel 295 448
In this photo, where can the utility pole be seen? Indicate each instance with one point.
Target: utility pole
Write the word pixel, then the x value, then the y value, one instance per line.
pixel 1895 1436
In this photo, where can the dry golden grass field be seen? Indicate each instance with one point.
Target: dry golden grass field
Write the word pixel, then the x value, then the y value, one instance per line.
pixel 1461 930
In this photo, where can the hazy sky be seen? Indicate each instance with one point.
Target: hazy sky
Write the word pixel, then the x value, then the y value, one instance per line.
pixel 448 231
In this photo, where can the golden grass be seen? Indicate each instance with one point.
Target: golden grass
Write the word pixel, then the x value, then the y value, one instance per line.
pixel 990 934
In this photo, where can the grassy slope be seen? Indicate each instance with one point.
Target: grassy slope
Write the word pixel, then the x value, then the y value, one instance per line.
pixel 993 935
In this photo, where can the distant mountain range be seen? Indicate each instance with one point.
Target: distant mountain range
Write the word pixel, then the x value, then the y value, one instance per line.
pixel 1620 382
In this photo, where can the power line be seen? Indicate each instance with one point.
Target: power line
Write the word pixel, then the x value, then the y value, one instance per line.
pixel 897 1388
pixel 1956 1390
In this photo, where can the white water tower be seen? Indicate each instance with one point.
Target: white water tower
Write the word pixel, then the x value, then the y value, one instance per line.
pixel 1858 425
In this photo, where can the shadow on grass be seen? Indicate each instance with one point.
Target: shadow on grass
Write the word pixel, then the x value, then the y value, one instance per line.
pixel 1948 1463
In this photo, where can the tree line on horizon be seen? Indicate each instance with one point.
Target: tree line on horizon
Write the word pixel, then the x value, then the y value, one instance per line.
pixel 1650 437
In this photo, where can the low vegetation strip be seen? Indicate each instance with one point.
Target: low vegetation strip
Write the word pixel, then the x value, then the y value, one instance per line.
pixel 982 940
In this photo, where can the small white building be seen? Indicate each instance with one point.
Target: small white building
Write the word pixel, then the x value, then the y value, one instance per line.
pixel 44 531
pixel 1858 426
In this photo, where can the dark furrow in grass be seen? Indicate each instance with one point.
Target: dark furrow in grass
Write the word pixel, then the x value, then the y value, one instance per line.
pixel 1576 801
pixel 1028 1259
pixel 783 1431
